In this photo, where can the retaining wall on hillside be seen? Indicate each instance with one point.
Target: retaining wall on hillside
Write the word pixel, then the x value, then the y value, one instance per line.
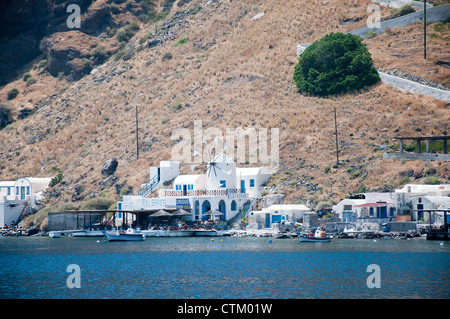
pixel 417 157
pixel 435 14
pixel 401 3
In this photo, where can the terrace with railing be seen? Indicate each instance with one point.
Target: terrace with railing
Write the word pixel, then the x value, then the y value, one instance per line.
pixel 230 193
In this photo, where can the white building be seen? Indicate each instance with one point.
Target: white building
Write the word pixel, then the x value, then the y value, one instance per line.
pixel 16 197
pixel 431 190
pixel 413 198
pixel 24 188
pixel 276 214
pixel 223 187
pixel 403 204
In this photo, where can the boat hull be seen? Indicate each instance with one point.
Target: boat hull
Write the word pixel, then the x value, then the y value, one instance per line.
pixel 54 234
pixel 315 239
pixel 88 233
pixel 183 233
pixel 114 236
pixel 208 233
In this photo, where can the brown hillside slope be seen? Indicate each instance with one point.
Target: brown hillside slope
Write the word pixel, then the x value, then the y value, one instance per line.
pixel 232 72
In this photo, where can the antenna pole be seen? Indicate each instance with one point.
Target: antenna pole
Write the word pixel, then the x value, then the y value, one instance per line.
pixel 425 29
pixel 137 133
pixel 336 133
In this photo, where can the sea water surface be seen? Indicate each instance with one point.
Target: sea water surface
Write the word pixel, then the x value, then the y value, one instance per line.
pixel 228 267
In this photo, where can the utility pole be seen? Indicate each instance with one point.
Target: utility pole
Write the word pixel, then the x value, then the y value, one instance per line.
pixel 425 29
pixel 336 133
pixel 137 133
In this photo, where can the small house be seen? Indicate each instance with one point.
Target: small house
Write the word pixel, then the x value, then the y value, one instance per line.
pixel 277 214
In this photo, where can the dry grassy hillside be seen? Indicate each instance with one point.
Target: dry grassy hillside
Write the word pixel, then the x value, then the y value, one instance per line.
pixel 401 49
pixel 231 72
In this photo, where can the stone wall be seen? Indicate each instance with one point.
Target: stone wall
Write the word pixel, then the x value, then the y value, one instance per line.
pixel 417 156
pixel 439 13
pixel 401 3
pixel 310 221
pixel 402 226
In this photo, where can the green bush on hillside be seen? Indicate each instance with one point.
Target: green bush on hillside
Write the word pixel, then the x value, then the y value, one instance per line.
pixel 13 93
pixel 56 180
pixel 5 116
pixel 406 9
pixel 336 64
pixel 127 32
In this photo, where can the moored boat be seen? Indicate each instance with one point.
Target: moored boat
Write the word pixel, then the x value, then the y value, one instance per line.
pixel 129 235
pixel 54 234
pixel 208 233
pixel 318 236
pixel 88 233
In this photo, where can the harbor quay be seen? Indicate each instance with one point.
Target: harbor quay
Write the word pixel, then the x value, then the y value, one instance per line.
pixel 230 201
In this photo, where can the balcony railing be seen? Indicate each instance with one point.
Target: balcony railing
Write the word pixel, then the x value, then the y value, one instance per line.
pixel 231 193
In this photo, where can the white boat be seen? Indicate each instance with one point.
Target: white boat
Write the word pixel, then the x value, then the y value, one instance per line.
pixel 88 233
pixel 129 235
pixel 167 233
pixel 318 236
pixel 54 234
pixel 208 232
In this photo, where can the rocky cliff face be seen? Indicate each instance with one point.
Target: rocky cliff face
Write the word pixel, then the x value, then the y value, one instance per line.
pixel 23 23
pixel 29 28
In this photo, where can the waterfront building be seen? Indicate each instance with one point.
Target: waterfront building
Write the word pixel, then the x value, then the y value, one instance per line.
pixel 16 197
pixel 223 187
pixel 402 205
pixel 276 214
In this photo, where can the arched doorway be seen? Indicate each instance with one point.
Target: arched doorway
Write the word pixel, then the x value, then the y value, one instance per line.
pixel 223 209
pixel 206 207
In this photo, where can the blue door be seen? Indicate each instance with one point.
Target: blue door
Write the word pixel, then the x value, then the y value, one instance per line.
pixel 223 210
pixel 276 218
pixel 22 192
pixel 347 217
pixel 243 186
pixel 419 214
pixel 382 212
pixel 267 220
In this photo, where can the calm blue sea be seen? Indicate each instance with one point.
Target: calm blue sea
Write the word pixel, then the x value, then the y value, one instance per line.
pixel 228 267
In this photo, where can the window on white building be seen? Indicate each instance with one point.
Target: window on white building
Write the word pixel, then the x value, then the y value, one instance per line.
pixel 223 183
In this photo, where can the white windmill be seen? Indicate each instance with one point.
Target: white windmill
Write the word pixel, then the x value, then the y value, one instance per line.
pixel 220 169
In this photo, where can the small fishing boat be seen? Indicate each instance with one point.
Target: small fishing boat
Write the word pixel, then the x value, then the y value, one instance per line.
pixel 54 234
pixel 318 236
pixel 129 235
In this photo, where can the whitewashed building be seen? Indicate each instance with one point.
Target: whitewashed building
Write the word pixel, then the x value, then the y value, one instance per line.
pixel 276 214
pixel 405 204
pixel 223 187
pixel 17 196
